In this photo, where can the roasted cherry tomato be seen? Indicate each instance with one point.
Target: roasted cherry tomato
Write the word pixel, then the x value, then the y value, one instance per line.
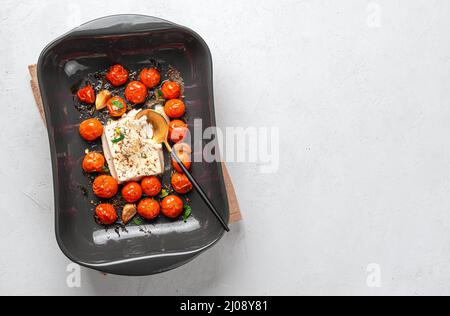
pixel 185 159
pixel 172 206
pixel 106 214
pixel 177 130
pixel 180 183
pixel 183 152
pixel 175 108
pixel 91 129
pixel 171 90
pixel 117 75
pixel 131 192
pixel 150 77
pixel 86 94
pixel 116 106
pixel 149 209
pixel 93 162
pixel 151 186
pixel 105 187
pixel 136 92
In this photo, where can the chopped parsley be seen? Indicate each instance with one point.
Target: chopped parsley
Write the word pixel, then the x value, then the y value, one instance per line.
pixel 119 136
pixel 118 139
pixel 137 221
pixel 164 193
pixel 117 104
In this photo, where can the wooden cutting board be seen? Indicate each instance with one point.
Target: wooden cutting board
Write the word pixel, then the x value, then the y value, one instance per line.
pixel 235 212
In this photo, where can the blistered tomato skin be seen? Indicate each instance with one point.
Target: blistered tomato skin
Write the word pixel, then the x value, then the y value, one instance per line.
pixel 132 192
pixel 93 162
pixel 174 108
pixel 105 187
pixel 150 77
pixel 86 94
pixel 171 90
pixel 116 106
pixel 117 75
pixel 106 214
pixel 177 131
pixel 149 209
pixel 172 206
pixel 151 186
pixel 180 183
pixel 91 129
pixel 136 92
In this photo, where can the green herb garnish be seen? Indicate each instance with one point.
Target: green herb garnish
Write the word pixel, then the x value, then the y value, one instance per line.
pixel 137 221
pixel 119 139
pixel 187 212
pixel 117 104
pixel 159 92
pixel 105 169
pixel 164 193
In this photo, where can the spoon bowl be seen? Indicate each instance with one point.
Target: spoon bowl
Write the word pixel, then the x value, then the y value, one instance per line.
pixel 160 126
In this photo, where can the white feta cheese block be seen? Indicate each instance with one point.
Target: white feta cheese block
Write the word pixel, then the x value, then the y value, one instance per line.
pixel 129 149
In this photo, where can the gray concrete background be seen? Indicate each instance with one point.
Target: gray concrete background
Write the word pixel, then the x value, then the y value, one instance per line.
pixel 360 92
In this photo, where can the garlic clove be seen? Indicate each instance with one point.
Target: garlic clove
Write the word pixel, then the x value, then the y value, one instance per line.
pixel 102 97
pixel 128 212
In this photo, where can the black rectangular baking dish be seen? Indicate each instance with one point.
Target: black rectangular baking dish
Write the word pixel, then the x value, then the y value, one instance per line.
pixel 129 40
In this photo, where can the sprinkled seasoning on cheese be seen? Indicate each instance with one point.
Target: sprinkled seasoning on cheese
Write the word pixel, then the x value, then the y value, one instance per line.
pixel 136 155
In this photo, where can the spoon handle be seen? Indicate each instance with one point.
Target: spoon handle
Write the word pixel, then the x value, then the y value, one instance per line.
pixel 200 190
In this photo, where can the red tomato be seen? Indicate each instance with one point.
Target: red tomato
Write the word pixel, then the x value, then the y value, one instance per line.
pixel 106 214
pixel 131 192
pixel 175 108
pixel 185 159
pixel 91 129
pixel 86 94
pixel 183 152
pixel 151 186
pixel 117 75
pixel 150 77
pixel 116 106
pixel 136 92
pixel 149 209
pixel 171 90
pixel 180 183
pixel 177 130
pixel 105 187
pixel 93 162
pixel 172 206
